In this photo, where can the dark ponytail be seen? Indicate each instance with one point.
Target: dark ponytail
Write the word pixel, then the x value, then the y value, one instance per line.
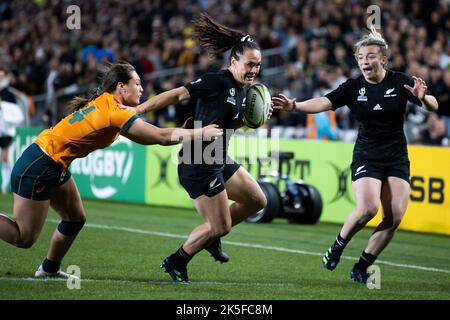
pixel 215 38
pixel 114 73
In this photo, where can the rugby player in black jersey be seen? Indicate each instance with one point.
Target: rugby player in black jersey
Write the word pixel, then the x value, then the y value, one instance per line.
pixel 380 165
pixel 206 172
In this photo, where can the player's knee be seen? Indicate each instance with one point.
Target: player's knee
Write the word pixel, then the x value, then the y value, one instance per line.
pixel 261 201
pixel 398 216
pixel 393 220
pixel 223 231
pixel 395 223
pixel 70 228
pixel 368 211
pixel 220 230
pixel 25 242
pixel 371 209
pixel 257 201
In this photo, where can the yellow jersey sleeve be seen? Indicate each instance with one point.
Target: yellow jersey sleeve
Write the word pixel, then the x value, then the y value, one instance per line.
pixel 121 119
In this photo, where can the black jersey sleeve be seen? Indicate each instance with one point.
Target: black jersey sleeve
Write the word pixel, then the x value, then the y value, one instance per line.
pixel 404 79
pixel 205 86
pixel 342 95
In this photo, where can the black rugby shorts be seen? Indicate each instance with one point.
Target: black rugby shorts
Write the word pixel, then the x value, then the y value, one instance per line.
pixel 365 168
pixel 199 181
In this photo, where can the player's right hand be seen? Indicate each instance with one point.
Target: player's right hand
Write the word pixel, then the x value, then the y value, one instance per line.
pixel 127 108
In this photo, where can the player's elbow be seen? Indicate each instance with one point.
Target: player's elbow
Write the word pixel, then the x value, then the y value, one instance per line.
pixel 435 106
pixel 431 103
pixel 166 142
pixel 182 94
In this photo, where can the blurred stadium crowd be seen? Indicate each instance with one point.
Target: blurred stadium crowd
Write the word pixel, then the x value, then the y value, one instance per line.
pixel 307 51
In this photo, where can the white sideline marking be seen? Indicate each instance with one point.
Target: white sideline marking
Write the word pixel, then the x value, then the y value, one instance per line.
pixel 252 245
pixel 147 282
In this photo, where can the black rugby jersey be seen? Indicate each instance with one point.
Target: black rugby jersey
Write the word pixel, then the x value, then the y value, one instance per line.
pixel 380 110
pixel 220 100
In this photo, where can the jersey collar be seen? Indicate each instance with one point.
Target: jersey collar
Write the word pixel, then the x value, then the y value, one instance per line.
pixel 115 98
pixel 230 74
pixel 386 77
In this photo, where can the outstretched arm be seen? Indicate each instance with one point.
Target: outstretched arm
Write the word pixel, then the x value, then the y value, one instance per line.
pixel 163 99
pixel 145 133
pixel 419 90
pixel 313 105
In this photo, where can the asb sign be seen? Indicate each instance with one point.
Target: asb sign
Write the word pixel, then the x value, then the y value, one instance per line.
pixel 429 199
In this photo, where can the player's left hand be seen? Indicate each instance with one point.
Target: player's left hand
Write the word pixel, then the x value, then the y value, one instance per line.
pixel 284 103
pixel 419 89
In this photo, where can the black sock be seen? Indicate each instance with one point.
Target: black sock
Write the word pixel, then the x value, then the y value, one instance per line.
pixel 340 242
pixel 50 266
pixel 213 245
pixel 180 258
pixel 365 260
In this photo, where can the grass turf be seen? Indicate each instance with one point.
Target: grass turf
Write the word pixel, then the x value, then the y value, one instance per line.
pixel 120 250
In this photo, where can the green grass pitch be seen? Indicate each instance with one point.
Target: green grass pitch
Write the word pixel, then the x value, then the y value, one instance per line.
pixel 120 250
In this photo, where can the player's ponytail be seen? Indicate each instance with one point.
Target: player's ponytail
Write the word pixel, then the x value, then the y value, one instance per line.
pixel 373 38
pixel 114 73
pixel 216 38
pixel 79 102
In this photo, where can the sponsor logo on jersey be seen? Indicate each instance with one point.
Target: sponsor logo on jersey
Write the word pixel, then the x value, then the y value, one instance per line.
pixel 389 93
pixel 377 107
pixel 196 81
pixel 232 92
pixel 362 94
pixel 231 100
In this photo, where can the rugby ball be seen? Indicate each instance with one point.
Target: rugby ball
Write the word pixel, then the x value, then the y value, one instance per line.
pixel 257 104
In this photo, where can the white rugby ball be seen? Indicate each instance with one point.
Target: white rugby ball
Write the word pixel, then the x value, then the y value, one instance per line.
pixel 257 104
